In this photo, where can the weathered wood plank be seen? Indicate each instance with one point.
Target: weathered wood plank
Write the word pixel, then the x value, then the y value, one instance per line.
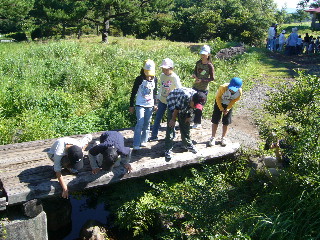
pixel 26 172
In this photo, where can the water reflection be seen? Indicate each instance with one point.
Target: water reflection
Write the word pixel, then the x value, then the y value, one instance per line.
pixel 66 217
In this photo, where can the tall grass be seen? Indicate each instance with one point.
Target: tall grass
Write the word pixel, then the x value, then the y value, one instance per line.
pixel 60 88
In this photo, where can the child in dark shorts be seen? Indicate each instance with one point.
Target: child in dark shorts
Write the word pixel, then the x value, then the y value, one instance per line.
pixel 226 96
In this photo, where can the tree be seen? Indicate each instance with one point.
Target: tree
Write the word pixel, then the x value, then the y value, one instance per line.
pixel 301 15
pixel 103 11
pixel 13 12
pixel 57 14
pixel 307 3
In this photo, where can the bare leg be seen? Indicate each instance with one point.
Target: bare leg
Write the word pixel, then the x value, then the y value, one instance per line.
pixel 224 130
pixel 214 129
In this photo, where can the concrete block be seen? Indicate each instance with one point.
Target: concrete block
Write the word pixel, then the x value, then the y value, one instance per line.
pixel 23 228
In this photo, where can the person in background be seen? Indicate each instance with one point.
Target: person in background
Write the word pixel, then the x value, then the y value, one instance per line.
pixel 317 43
pixel 299 45
pixel 282 149
pixel 168 81
pixel 227 95
pixel 271 37
pixel 282 40
pixel 306 42
pixel 181 102
pixel 203 74
pixel 67 153
pixel 291 48
pixel 109 152
pixel 145 91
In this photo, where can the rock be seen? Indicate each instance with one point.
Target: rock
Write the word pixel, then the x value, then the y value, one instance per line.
pixel 227 53
pixel 271 162
pixel 22 228
pixel 273 173
pixel 32 208
pixel 92 230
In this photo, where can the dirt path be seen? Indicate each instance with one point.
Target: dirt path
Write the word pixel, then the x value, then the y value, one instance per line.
pixel 243 129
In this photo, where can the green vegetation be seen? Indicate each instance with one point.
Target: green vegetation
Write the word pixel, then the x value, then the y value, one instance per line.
pixel 230 201
pixel 64 88
pixel 175 20
pixel 57 88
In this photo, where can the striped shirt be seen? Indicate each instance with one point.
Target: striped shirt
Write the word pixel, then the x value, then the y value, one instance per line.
pixel 180 99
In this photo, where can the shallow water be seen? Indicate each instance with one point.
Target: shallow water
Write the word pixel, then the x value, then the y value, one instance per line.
pixel 83 208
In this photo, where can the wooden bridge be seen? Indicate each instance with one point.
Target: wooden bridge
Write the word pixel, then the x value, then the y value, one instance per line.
pixel 26 172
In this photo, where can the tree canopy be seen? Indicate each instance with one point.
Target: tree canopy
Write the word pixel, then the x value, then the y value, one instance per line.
pixel 178 20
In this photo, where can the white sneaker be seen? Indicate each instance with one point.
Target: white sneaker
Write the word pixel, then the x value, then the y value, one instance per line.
pixel 212 141
pixel 196 126
pixel 143 144
pixel 224 142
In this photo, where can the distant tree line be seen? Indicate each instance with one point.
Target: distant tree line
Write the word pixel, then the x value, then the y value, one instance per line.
pixel 178 20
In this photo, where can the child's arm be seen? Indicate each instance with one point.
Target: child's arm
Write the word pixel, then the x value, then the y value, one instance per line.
pixel 232 102
pixel 63 185
pixel 172 122
pixel 219 93
pixel 177 82
pixel 134 91
pixel 211 74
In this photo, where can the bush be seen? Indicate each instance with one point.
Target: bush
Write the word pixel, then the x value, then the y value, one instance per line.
pixel 19 36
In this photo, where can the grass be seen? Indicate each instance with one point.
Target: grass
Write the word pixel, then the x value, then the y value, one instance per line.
pixel 57 88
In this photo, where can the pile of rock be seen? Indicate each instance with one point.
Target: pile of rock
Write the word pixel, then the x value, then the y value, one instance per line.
pixel 228 53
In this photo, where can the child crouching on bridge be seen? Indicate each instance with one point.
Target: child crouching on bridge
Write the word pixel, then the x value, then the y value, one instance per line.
pixel 110 152
pixel 67 153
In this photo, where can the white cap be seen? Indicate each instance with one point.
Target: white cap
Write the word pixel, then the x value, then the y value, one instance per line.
pixel 205 49
pixel 283 31
pixel 149 67
pixel 167 63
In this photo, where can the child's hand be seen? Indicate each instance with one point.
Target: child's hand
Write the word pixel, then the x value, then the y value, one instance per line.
pixel 225 112
pixel 65 193
pixel 172 123
pixel 188 120
pixel 96 170
pixel 128 167
pixel 155 108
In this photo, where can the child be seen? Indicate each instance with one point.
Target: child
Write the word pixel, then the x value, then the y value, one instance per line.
pixel 203 74
pixel 282 40
pixel 168 81
pixel 105 154
pixel 145 90
pixel 226 96
pixel 181 102
pixel 67 153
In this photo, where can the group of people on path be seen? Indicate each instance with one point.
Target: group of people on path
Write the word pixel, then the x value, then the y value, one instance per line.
pixel 180 103
pixel 293 44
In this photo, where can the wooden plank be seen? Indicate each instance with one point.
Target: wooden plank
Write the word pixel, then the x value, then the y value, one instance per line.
pixel 27 173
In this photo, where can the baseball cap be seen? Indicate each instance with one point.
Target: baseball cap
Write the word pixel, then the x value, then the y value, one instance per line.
pixel 283 31
pixel 235 84
pixel 205 49
pixel 149 68
pixel 75 156
pixel 110 156
pixel 167 63
pixel 199 100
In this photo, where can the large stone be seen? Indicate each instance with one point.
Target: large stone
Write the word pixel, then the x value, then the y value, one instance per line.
pixel 92 229
pixel 23 228
pixel 32 208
